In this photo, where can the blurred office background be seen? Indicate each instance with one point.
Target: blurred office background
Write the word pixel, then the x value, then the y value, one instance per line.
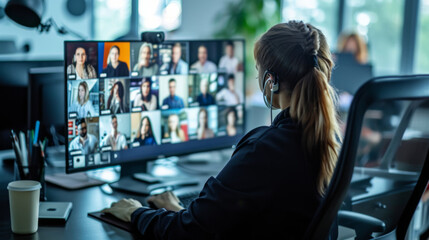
pixel 395 32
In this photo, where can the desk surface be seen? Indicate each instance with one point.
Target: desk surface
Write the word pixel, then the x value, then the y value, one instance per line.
pixel 79 225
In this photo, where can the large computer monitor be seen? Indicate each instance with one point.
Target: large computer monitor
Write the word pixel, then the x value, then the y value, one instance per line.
pixel 131 102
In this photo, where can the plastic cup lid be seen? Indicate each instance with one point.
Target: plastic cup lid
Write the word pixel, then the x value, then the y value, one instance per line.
pixel 23 186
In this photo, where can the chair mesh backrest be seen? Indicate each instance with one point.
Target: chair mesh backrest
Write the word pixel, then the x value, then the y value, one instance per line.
pixel 386 140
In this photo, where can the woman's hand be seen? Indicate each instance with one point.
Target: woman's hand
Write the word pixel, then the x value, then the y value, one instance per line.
pixel 123 209
pixel 166 200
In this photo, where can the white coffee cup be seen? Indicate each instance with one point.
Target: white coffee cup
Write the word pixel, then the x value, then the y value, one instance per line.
pixel 24 206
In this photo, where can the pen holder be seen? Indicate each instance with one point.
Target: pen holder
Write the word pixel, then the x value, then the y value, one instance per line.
pixel 34 171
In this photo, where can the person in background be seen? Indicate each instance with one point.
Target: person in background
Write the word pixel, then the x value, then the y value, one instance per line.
pixel 203 130
pixel 294 158
pixel 228 95
pixel 231 121
pixel 85 141
pixel 144 66
pixel 205 98
pixel 174 132
pixel 115 139
pixel 177 65
pixel 203 65
pixel 229 62
pixel 145 99
pixel 115 67
pixel 354 43
pixel 173 101
pixel 145 135
pixel 80 65
pixel 116 102
pixel 83 106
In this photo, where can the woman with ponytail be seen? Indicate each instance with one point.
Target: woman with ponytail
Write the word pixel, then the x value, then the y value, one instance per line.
pixel 276 178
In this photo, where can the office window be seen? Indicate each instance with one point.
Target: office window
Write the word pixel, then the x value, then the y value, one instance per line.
pixel 111 18
pixel 159 15
pixel 321 13
pixel 380 22
pixel 422 49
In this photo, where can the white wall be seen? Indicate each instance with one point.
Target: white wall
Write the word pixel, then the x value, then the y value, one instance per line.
pixel 46 46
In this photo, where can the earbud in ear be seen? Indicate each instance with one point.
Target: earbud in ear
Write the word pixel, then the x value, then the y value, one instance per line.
pixel 274 87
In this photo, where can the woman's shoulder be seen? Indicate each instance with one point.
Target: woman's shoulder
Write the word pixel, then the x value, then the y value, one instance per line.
pixel 70 68
pixel 90 67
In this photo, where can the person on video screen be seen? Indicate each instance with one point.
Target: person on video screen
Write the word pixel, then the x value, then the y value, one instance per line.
pixel 231 121
pixel 80 65
pixel 177 65
pixel 115 139
pixel 229 96
pixel 116 102
pixel 204 98
pixel 174 133
pixel 145 99
pixel 144 66
pixel 115 67
pixel 203 130
pixel 83 106
pixel 203 65
pixel 145 135
pixel 85 141
pixel 173 101
pixel 229 62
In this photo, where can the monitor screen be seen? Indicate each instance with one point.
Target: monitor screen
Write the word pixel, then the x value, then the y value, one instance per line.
pixel 46 100
pixel 136 101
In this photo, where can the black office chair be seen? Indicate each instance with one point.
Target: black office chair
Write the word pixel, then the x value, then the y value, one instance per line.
pixel 410 93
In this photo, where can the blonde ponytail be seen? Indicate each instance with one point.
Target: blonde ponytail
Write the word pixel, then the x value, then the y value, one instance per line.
pixel 313 106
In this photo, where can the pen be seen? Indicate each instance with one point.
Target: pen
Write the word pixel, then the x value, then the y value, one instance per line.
pixel 18 155
pixel 36 132
pixel 23 150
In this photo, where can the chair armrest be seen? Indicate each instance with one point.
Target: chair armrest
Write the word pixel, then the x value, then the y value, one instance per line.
pixel 363 225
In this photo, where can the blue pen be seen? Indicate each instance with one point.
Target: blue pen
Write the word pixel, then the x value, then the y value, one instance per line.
pixel 36 132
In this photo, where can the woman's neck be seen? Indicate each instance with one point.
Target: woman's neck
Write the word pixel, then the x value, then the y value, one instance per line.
pixel 115 64
pixel 283 100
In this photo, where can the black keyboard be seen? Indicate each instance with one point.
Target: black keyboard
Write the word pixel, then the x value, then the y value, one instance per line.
pixel 188 197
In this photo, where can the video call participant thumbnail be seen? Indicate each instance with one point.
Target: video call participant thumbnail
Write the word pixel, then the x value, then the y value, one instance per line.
pixel 203 129
pixel 81 106
pixel 202 88
pixel 145 136
pixel 116 96
pixel 203 65
pixel 115 139
pixel 146 98
pixel 84 141
pixel 146 128
pixel 177 65
pixel 80 65
pixel 145 65
pixel 229 95
pixel 173 130
pixel 229 62
pixel 176 88
pixel 114 67
pixel 205 98
pixel 230 120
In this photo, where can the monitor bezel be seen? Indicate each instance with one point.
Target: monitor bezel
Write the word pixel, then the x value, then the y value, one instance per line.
pixel 223 142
